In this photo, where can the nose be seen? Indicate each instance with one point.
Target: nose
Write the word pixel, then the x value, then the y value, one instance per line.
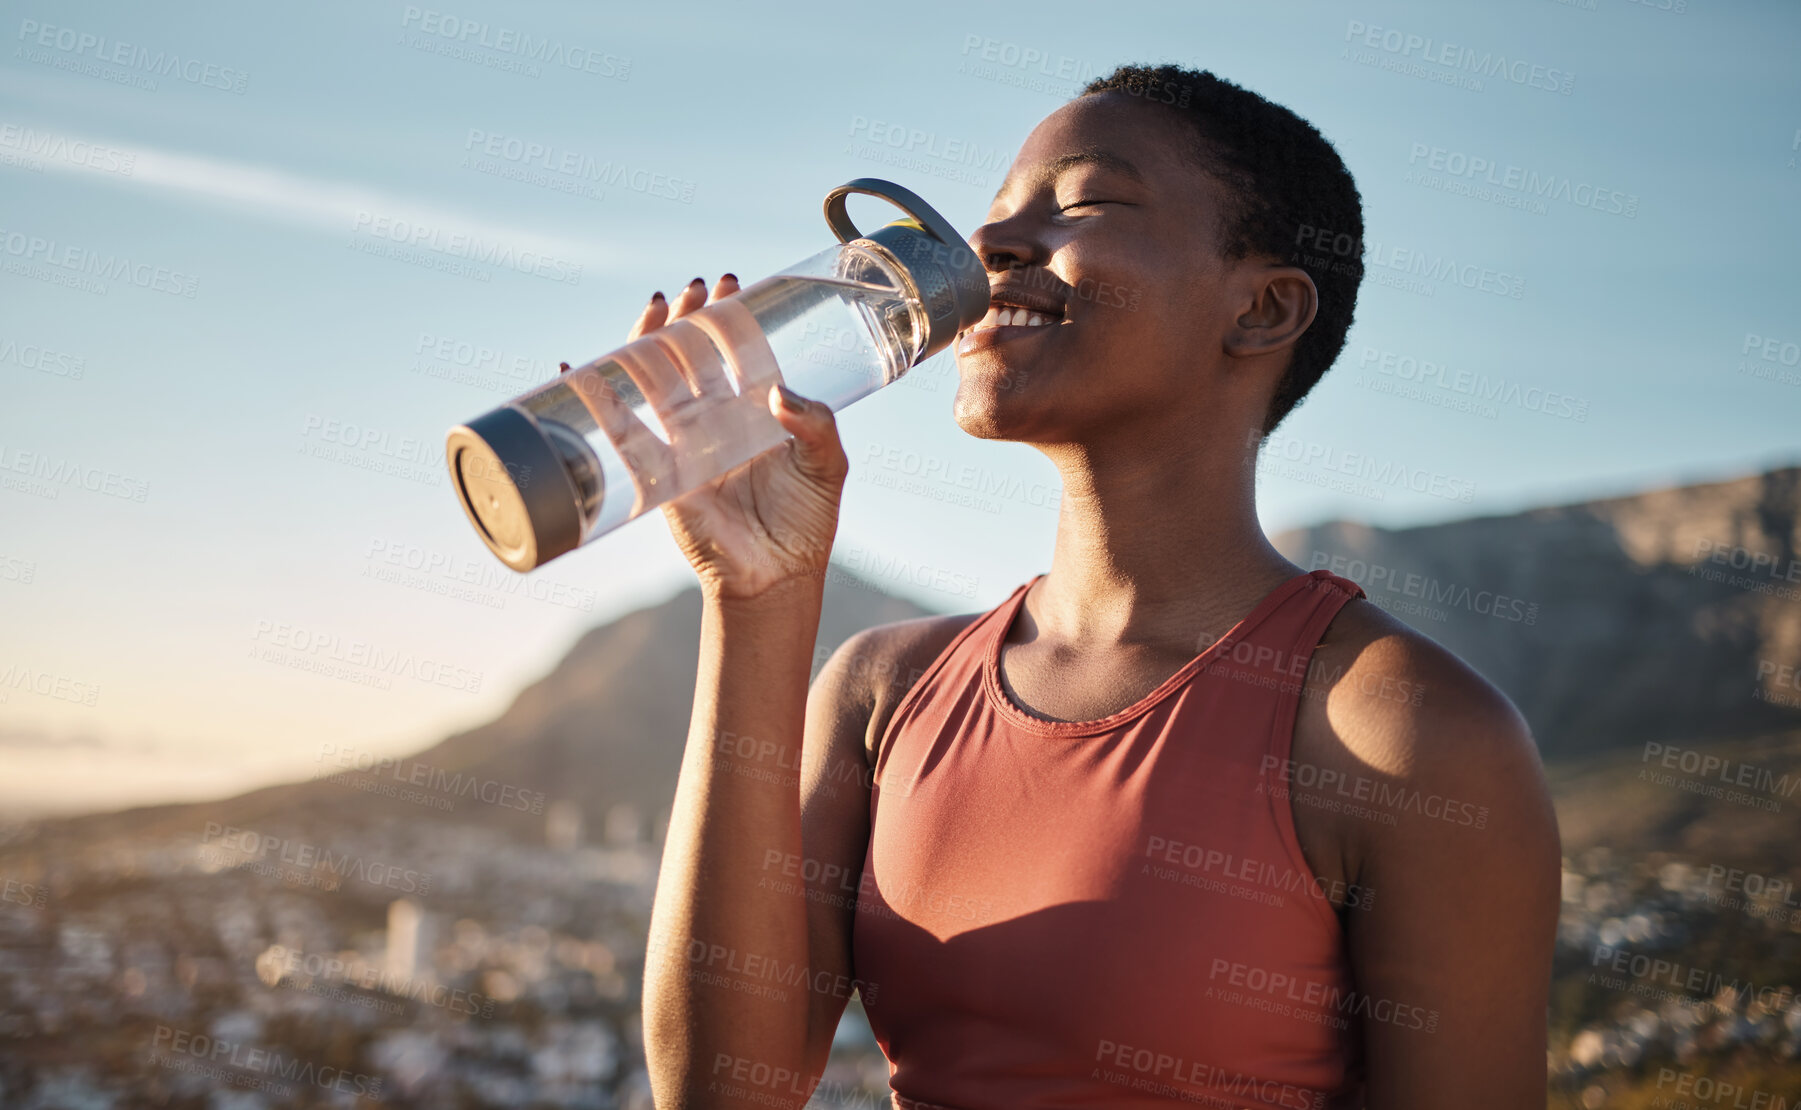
pixel 1006 244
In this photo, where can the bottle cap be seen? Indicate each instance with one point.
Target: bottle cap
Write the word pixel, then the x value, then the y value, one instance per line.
pixel 952 283
pixel 514 488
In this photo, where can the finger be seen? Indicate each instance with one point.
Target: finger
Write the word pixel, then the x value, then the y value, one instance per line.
pixel 654 316
pixel 613 404
pixel 817 449
pixel 702 365
pixel 690 299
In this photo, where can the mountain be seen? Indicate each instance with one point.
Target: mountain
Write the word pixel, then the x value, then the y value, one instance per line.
pixel 1664 617
pixel 1611 623
pixel 605 726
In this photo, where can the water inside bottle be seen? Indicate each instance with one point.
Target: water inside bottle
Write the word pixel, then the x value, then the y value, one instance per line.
pixel 682 405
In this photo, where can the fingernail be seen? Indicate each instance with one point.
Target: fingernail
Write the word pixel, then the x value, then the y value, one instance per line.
pixel 698 282
pixel 564 367
pixel 728 277
pixel 657 296
pixel 791 400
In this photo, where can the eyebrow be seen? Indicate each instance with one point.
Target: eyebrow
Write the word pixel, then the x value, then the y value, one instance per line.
pixel 1056 167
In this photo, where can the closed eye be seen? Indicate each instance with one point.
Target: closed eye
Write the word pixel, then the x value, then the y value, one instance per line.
pixel 1085 204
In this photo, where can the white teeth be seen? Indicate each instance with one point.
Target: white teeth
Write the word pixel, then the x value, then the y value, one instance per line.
pixel 1003 316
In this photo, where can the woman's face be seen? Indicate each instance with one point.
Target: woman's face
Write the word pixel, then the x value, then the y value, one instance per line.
pixel 1105 226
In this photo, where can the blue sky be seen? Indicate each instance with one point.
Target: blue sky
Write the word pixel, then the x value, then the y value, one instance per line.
pixel 225 396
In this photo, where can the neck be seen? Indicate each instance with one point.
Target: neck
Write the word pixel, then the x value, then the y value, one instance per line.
pixel 1154 544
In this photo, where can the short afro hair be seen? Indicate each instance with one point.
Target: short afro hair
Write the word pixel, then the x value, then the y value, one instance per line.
pixel 1290 198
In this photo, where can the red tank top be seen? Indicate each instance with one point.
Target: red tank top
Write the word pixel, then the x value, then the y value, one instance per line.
pixel 1110 913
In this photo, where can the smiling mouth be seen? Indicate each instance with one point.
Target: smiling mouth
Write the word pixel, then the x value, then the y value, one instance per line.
pixel 1002 316
pixel 1005 323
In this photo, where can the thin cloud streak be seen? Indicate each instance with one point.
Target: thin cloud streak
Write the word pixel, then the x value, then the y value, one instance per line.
pixel 282 195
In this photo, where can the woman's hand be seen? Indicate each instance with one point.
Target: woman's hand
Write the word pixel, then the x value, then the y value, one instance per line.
pixel 769 522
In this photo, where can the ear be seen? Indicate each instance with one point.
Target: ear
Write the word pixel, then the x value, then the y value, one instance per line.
pixel 1282 302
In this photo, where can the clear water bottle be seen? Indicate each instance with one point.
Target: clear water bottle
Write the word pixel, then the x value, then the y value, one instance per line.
pixel 574 459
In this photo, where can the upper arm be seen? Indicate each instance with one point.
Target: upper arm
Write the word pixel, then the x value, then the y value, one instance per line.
pixel 1452 960
pixel 834 833
pixel 848 706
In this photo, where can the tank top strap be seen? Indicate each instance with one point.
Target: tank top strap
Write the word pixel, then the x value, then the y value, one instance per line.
pixel 957 663
pixel 1274 652
pixel 1308 605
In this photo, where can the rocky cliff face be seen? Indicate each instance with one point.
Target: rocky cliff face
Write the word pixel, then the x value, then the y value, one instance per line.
pixel 1670 616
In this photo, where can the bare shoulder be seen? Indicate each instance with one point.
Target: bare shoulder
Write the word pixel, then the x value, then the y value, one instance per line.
pixel 1384 687
pixel 1389 706
pixel 874 669
pixel 1428 798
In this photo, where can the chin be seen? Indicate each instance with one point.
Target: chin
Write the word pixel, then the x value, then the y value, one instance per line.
pixel 987 409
